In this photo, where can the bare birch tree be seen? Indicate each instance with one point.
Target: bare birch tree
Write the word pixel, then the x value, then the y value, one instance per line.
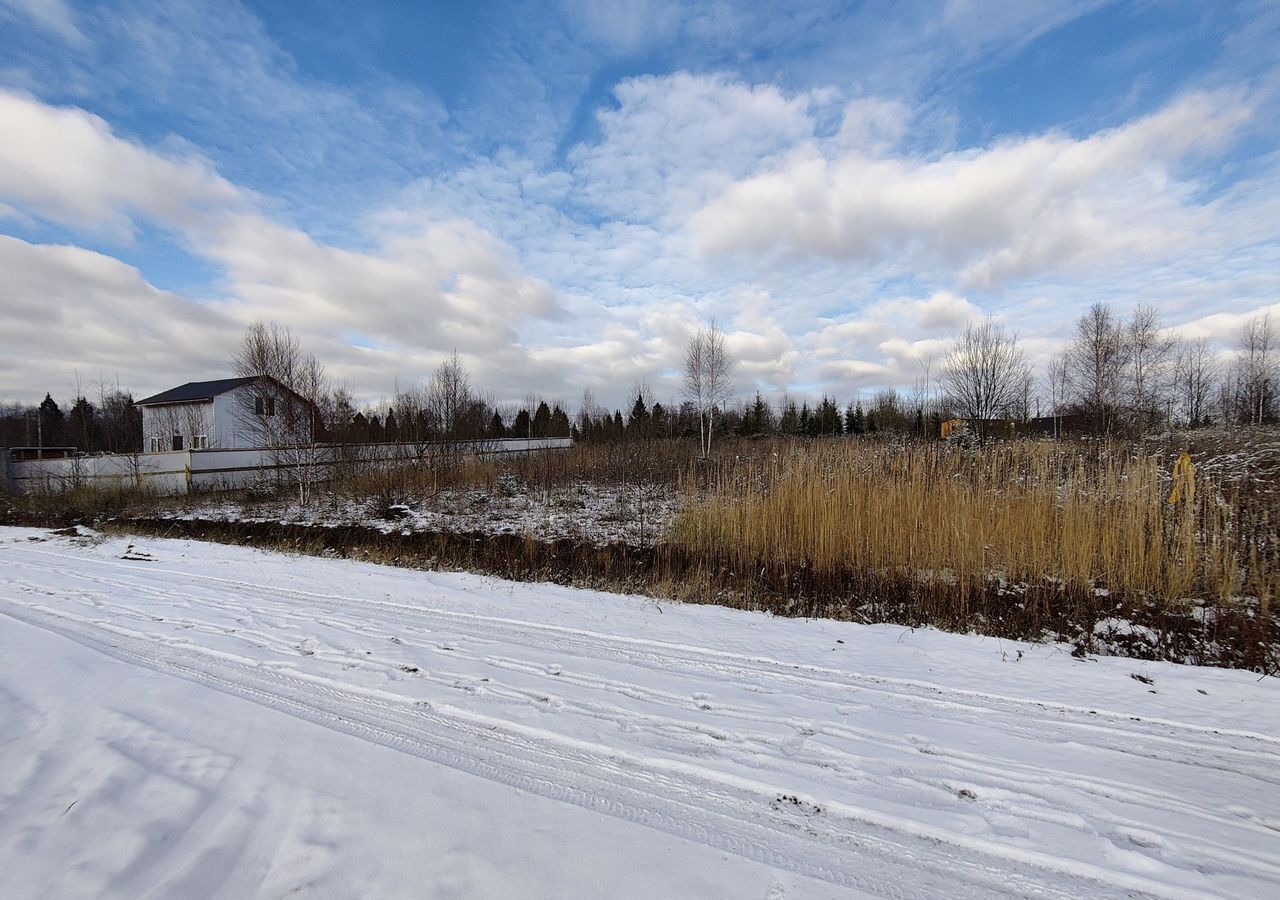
pixel 1056 375
pixel 282 408
pixel 985 374
pixel 449 397
pixel 1256 371
pixel 1096 361
pixel 1196 373
pixel 1150 357
pixel 708 370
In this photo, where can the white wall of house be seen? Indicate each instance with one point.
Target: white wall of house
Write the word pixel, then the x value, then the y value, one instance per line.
pixel 240 425
pixel 226 422
pixel 192 421
pixel 234 427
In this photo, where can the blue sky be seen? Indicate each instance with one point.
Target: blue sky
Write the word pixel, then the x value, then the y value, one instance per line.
pixel 563 191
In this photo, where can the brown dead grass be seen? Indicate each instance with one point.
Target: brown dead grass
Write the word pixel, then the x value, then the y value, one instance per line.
pixel 1080 517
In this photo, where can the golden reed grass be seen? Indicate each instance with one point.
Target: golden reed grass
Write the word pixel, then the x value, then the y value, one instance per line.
pixel 1082 517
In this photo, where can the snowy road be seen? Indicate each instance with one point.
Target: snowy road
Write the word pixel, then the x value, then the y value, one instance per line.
pixel 183 720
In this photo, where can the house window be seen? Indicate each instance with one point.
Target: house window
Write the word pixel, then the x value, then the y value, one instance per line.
pixel 265 406
pixel 177 442
pixel 156 445
pixel 200 442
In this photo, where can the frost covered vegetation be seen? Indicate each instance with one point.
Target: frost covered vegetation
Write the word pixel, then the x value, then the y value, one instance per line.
pixel 1058 540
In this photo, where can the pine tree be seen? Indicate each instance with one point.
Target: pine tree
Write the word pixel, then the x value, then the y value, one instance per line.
pixel 638 422
pixel 522 426
pixel 51 421
pixel 496 430
pixel 829 417
pixel 542 420
pixel 559 422
pixel 82 426
pixel 790 418
pixel 360 428
pixel 858 424
pixel 391 428
pixel 758 417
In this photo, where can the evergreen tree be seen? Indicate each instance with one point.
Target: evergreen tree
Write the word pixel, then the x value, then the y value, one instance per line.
pixel 522 425
pixel 559 422
pixel 496 431
pixel 391 428
pixel 638 422
pixel 659 420
pixel 542 420
pixel 360 428
pixel 757 418
pixel 872 425
pixel 805 422
pixel 829 417
pixel 51 422
pixel 82 426
pixel 790 423
pixel 376 433
pixel 857 423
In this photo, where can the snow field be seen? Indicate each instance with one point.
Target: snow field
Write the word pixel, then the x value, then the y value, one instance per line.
pixel 185 719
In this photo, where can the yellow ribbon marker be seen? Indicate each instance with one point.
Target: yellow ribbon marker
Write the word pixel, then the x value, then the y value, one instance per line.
pixel 1184 479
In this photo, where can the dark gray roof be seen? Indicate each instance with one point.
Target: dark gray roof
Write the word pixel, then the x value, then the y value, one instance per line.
pixel 196 390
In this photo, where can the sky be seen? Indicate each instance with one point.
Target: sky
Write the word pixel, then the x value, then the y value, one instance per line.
pixel 563 192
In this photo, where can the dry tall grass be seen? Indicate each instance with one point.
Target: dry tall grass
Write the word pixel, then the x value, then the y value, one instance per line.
pixel 1078 517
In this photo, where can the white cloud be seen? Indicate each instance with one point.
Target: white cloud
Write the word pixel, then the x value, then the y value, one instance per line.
pixel 419 292
pixel 67 310
pixel 675 141
pixel 1015 209
pixel 66 166
pixel 874 125
pixel 1224 327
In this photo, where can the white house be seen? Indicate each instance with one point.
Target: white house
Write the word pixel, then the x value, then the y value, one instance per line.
pixel 226 414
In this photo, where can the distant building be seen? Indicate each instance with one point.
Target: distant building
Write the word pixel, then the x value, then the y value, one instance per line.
pixel 230 413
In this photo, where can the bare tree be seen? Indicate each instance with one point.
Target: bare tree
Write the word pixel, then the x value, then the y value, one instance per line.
pixel 1056 376
pixel 985 373
pixel 282 409
pixel 1150 358
pixel 449 397
pixel 708 370
pixel 1196 372
pixel 1096 360
pixel 1256 371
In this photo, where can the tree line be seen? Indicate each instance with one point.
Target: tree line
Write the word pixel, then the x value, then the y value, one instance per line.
pixel 1115 376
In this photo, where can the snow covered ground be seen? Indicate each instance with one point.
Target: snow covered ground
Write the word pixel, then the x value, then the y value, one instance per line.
pixel 185 720
pixel 595 514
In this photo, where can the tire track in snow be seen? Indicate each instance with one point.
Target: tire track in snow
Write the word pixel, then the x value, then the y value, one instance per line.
pixel 1158 739
pixel 1038 788
pixel 843 845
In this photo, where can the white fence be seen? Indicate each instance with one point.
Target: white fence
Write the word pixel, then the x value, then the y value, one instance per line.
pixel 180 471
